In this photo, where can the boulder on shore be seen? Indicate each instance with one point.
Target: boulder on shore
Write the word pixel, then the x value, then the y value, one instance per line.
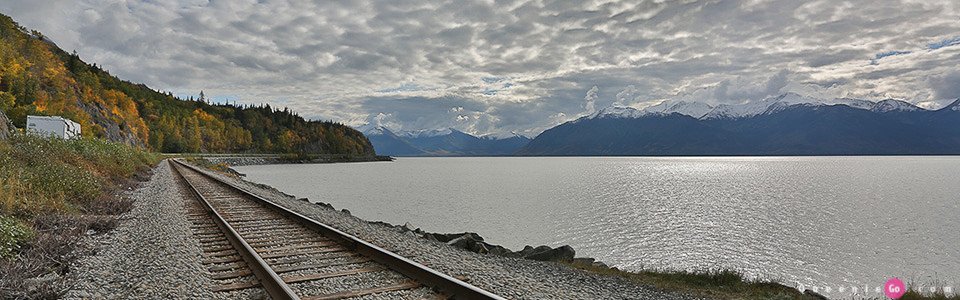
pixel 562 253
pixel 447 237
pixel 473 242
pixel 466 241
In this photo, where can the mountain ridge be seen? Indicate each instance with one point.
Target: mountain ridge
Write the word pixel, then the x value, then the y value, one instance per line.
pixel 749 109
pixel 886 127
pixel 439 142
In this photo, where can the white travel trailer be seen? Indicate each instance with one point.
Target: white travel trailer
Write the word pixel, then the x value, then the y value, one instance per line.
pixel 56 126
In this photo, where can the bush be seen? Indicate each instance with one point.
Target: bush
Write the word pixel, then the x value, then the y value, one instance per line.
pixel 13 235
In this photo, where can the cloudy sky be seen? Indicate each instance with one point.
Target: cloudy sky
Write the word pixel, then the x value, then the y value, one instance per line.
pixel 495 67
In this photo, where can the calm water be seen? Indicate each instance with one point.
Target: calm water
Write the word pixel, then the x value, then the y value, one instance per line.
pixel 813 221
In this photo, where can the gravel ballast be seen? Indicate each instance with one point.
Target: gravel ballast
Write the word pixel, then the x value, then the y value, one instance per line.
pixel 153 254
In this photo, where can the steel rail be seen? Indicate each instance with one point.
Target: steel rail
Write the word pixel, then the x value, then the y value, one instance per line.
pixel 446 284
pixel 269 280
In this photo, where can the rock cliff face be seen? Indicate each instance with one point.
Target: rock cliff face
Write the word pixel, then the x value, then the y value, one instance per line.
pixel 108 127
pixel 5 126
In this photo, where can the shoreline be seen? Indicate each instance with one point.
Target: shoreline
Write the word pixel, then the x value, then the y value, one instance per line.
pixel 473 242
pixel 277 159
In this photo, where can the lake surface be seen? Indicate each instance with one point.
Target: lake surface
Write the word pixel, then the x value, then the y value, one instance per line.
pixel 824 222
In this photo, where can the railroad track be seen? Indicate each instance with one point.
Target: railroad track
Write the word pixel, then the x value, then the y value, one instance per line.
pixel 251 242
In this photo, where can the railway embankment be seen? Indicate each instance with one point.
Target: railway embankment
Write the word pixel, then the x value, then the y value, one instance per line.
pixel 152 254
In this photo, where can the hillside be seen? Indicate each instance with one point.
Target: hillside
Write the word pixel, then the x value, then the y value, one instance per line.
pixel 37 78
pixel 779 128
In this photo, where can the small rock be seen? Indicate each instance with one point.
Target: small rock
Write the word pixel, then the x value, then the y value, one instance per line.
pixel 584 260
pixel 345 211
pixel 479 247
pixel 381 223
pixel 430 236
pixel 465 241
pixel 446 237
pixel 34 284
pixel 497 249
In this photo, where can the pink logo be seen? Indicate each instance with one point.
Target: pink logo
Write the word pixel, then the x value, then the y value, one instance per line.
pixel 894 288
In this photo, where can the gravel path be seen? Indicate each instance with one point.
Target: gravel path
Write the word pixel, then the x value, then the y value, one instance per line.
pixel 153 255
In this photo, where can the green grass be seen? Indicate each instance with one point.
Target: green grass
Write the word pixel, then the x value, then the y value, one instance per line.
pixel 13 235
pixel 52 191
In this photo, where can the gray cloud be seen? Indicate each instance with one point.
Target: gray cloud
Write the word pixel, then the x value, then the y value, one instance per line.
pixel 511 65
pixel 589 101
pixel 947 86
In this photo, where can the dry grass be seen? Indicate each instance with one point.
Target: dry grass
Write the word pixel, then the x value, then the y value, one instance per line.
pixel 729 284
pixel 723 284
pixel 52 192
pixel 913 294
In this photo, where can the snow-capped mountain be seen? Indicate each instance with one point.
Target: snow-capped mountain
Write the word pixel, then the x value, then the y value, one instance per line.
pixel 764 106
pixel 385 142
pixel 955 106
pixel 426 133
pixel 619 112
pixel 440 142
pixel 787 124
pixel 503 136
pixel 889 105
pixel 371 129
pixel 749 109
pixel 737 111
pixel 887 127
pixel 855 103
pixel 693 109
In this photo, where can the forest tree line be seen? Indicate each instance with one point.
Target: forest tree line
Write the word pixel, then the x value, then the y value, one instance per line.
pixel 38 78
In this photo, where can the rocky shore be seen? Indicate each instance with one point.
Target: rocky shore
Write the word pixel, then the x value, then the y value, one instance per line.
pixel 277 159
pixel 245 161
pixel 473 242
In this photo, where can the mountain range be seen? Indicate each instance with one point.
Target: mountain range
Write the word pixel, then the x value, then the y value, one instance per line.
pixel 440 142
pixel 788 124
